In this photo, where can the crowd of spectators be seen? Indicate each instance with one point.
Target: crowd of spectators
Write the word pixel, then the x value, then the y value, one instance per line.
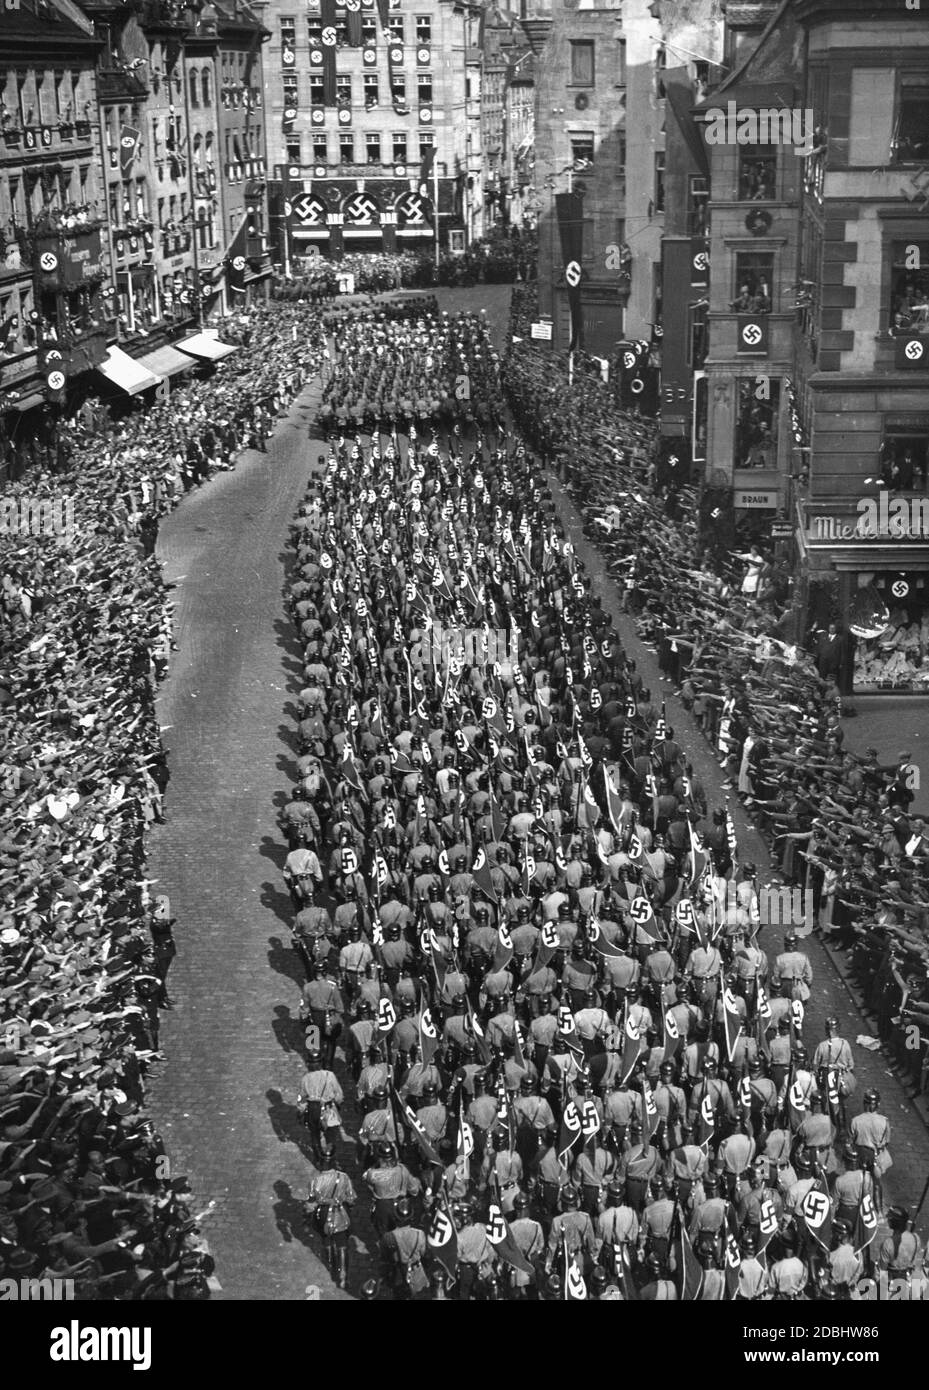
pixel 86 1189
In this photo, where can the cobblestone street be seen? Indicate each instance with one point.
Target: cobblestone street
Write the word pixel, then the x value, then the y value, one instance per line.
pixel 224 1096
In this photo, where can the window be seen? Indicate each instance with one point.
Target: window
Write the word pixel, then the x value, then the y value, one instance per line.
pixel 209 147
pixel 370 90
pixel 292 146
pixel 424 88
pixel 398 88
pixel 904 458
pixel 368 29
pixel 697 340
pixel 343 90
pixel 373 148
pixel 582 63
pixel 582 150
pixel 320 149
pixel 317 91
pixel 115 203
pixel 141 198
pixel 909 287
pixel 659 181
pixel 395 28
pixel 206 87
pixel 423 28
pixel 426 142
pixel 291 90
pixel 399 147
pixel 754 273
pixel 194 87
pixel 314 31
pixel 811 247
pixel 910 142
pixel 757 173
pixel 756 422
pixel 621 155
pixel 346 148
pixel 697 206
pixel 289 31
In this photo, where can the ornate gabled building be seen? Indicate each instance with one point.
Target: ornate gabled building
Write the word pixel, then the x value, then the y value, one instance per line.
pixel 53 313
pixel 362 102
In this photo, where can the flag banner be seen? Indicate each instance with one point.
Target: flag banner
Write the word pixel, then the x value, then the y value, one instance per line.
pixel 865 1221
pixel 480 872
pixel 442 1238
pixel 329 37
pixel 477 1033
pixel 501 1238
pixel 383 8
pixel 549 942
pixel 815 1211
pixel 649 1112
pixel 465 1147
pixel 234 258
pixel 569 209
pixel 623 1265
pixel 129 139
pixel 599 942
pixel 504 952
pixel 405 1119
pixel 428 1037
pixel 643 916
pixel 732 1020
pixel 618 813
pixel 575 1289
pixel 633 1047
pixel 672 1037
pixel 689 1273
pixel 733 1253
pixel 697 858
pixel 768 1224
pixel 353 23
pixel 687 919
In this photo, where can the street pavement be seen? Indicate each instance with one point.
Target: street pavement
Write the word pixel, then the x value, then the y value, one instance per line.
pixel 224 1097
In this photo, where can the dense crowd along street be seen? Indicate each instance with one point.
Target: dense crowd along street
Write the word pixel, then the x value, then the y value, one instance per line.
pixel 556 1045
pixel 85 1190
pixel 533 972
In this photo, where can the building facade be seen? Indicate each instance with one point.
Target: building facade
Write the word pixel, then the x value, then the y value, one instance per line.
pixel 54 316
pixel 601 123
pixel 861 381
pixel 755 185
pixel 359 103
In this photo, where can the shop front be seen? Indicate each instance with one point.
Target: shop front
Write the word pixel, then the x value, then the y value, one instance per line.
pixel 874 586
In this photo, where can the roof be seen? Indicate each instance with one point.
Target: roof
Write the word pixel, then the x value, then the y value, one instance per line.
pixel 773 23
pixel 56 21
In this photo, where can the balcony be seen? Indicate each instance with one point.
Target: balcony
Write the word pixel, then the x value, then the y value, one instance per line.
pixel 120 81
pixel 86 349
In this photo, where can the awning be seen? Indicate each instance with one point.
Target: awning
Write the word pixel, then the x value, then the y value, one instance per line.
pixel 126 372
pixel 167 361
pixel 202 345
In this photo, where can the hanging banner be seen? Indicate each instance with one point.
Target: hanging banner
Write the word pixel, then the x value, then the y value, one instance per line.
pixel 753 334
pixel 128 149
pixel 395 67
pixel 353 22
pixel 330 40
pixel 569 209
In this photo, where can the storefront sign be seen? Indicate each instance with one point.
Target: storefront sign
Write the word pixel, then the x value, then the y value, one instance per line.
pixel 69 260
pixel 754 500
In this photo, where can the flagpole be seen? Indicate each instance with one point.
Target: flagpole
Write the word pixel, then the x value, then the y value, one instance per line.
pixel 435 200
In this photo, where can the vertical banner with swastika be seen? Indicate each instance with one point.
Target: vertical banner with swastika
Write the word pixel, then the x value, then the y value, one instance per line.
pixel 569 208
pixel 329 38
pixel 353 23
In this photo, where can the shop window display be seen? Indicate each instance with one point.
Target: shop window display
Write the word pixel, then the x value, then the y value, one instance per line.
pixel 897 658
